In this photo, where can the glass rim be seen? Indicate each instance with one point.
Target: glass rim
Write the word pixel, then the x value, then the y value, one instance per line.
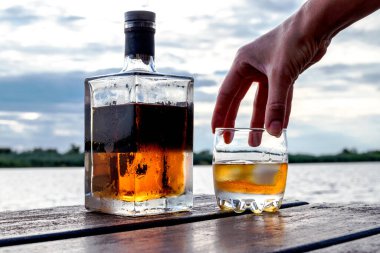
pixel 244 129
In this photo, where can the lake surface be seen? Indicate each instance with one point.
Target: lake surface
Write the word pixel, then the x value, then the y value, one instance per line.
pixel 329 182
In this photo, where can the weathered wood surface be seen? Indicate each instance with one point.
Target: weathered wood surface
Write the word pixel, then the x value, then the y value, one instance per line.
pixel 71 222
pixel 366 245
pixel 297 229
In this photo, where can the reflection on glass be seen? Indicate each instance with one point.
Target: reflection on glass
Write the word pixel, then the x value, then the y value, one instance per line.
pixel 250 169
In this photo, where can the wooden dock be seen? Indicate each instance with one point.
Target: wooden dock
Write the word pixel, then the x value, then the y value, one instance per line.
pixel 298 227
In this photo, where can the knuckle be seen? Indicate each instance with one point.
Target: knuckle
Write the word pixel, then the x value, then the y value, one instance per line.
pixel 241 52
pixel 242 61
pixel 278 108
pixel 248 64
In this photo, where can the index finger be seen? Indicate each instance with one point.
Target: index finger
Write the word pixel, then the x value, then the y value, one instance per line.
pixel 232 91
pixel 229 97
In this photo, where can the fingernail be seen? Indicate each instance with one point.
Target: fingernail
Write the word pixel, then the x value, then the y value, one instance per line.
pixel 228 137
pixel 275 128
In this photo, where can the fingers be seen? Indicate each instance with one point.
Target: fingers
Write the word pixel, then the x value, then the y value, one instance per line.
pixel 259 104
pixel 276 105
pixel 258 114
pixel 230 118
pixel 228 137
pixel 232 91
pixel 272 104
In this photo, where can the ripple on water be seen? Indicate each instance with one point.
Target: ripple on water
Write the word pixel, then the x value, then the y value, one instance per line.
pixel 333 182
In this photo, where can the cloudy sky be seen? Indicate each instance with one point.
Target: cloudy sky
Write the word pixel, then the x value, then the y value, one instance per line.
pixel 47 48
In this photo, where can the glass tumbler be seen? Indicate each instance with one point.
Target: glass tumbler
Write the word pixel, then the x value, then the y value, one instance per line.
pixel 250 169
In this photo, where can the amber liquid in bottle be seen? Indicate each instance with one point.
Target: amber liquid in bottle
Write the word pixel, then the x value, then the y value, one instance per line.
pixel 139 151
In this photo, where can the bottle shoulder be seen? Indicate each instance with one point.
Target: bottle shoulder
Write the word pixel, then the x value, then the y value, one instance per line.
pixel 156 75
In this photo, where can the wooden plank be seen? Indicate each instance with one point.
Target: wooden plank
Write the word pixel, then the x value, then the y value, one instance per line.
pixel 367 245
pixel 70 222
pixel 291 230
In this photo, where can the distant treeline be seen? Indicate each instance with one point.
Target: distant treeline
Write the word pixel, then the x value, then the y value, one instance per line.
pixel 346 155
pixel 74 157
pixel 41 158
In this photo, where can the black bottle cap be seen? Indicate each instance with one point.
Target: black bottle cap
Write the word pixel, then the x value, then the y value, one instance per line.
pixel 140 16
pixel 139 29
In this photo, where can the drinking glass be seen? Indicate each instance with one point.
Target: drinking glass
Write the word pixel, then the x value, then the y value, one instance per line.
pixel 250 168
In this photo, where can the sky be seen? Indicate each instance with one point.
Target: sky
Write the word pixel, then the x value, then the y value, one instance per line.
pixel 47 48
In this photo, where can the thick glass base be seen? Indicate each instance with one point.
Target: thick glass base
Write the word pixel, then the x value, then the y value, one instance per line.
pixel 149 207
pixel 257 203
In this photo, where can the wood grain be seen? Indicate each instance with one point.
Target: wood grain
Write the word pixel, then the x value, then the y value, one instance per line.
pixel 70 222
pixel 366 245
pixel 291 230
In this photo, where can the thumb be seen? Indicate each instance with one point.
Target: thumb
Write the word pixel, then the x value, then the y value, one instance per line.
pixel 276 105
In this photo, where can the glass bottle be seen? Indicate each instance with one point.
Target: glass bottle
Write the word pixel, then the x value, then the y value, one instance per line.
pixel 138 132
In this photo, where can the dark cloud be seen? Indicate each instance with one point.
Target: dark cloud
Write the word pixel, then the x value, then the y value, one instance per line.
pixel 284 6
pixel 346 74
pixel 69 20
pixel 319 142
pixel 373 78
pixel 220 72
pixel 88 49
pixel 251 19
pixel 248 20
pixel 173 71
pixel 200 96
pixel 50 130
pixel 201 81
pixel 201 17
pixel 191 42
pixel 44 91
pixel 171 44
pixel 371 37
pixel 18 16
pixel 59 98
pixel 60 91
pixel 176 59
pixel 242 28
pixel 334 88
pixel 313 140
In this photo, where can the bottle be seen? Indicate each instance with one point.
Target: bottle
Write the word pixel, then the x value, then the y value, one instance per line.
pixel 138 132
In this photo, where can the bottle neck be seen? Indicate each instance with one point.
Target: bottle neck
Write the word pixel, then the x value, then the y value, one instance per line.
pixel 139 62
pixel 139 46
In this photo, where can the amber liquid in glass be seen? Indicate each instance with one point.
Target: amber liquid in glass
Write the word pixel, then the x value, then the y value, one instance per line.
pixel 139 151
pixel 261 178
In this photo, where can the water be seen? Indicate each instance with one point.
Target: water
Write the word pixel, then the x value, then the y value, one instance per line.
pixel 330 182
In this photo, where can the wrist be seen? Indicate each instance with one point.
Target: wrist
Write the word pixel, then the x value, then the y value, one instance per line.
pixel 315 24
pixel 323 19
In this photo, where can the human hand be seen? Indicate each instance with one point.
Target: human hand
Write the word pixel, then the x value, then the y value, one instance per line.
pixel 274 61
